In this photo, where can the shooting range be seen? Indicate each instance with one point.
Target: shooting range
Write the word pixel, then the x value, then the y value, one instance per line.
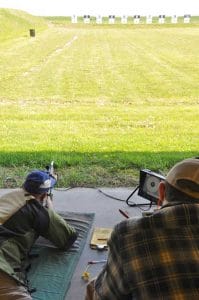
pixel 107 91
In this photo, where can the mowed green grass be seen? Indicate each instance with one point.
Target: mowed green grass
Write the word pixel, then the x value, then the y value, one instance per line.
pixel 101 101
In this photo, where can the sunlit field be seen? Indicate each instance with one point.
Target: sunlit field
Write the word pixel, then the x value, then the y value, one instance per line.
pixel 102 101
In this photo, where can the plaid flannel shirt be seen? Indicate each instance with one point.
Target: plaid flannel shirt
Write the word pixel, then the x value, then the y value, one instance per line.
pixel 155 257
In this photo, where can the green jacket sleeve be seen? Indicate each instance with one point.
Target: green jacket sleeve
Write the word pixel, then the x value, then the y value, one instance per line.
pixel 61 234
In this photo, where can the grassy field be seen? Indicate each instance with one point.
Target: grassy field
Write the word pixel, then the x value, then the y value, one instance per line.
pixel 101 101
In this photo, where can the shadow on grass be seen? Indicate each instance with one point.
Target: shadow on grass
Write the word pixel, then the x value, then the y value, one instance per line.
pixel 89 169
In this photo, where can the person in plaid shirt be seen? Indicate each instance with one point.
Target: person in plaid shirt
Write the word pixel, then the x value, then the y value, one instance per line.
pixel 157 257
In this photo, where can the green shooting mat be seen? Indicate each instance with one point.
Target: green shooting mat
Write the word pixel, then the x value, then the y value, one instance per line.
pixel 52 269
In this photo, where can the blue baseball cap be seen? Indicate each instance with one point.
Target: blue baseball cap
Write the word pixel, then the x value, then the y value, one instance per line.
pixel 39 182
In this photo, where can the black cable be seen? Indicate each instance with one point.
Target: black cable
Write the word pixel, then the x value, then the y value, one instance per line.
pixel 109 196
pixel 133 204
pixel 142 204
pixel 133 192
